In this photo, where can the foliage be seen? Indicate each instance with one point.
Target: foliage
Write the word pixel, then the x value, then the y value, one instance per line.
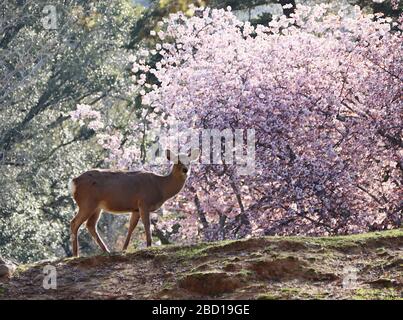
pixel 44 73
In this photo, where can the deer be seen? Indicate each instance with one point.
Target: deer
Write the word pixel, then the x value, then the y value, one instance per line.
pixel 125 192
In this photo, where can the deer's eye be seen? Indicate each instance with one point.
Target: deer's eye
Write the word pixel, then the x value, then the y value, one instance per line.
pixel 185 170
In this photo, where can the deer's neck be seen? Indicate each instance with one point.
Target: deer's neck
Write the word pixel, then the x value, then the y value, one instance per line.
pixel 172 185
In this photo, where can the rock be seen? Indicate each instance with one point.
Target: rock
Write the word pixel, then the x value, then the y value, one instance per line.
pixel 3 270
pixel 6 268
pixel 277 269
pixel 210 283
pixel 385 283
pixel 232 267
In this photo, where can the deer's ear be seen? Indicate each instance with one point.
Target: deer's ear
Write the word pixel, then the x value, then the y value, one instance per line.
pixel 170 155
pixel 194 154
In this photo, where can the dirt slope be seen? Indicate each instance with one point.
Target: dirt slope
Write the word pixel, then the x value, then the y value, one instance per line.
pixel 262 268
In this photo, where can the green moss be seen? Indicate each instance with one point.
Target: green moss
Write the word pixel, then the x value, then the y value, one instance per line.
pixel 380 251
pixel 73 260
pixel 302 293
pixel 344 241
pixel 245 272
pixel 278 256
pixel 22 268
pixel 175 251
pixel 256 255
pixel 357 238
pixel 166 286
pixel 213 272
pixel 204 249
pixel 201 274
pixel 268 296
pixel 68 259
pixel 318 296
pixel 376 294
pixel 195 251
pixel 292 291
pixel 201 268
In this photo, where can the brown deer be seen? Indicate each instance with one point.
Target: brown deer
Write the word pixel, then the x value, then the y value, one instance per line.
pixel 137 192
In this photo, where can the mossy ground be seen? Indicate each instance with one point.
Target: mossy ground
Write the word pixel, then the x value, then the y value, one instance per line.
pixel 257 268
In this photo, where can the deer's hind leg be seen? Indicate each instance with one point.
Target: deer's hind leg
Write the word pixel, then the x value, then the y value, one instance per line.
pixel 75 225
pixel 91 225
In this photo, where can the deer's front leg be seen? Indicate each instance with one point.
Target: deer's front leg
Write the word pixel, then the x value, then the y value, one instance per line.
pixel 145 217
pixel 134 219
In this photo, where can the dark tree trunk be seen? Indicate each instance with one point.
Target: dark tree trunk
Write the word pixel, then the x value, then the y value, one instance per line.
pixel 287 12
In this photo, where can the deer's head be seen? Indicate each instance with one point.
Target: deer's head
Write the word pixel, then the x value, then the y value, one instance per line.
pixel 182 162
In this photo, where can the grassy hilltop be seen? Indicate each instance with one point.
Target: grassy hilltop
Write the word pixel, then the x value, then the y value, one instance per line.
pixel 258 268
